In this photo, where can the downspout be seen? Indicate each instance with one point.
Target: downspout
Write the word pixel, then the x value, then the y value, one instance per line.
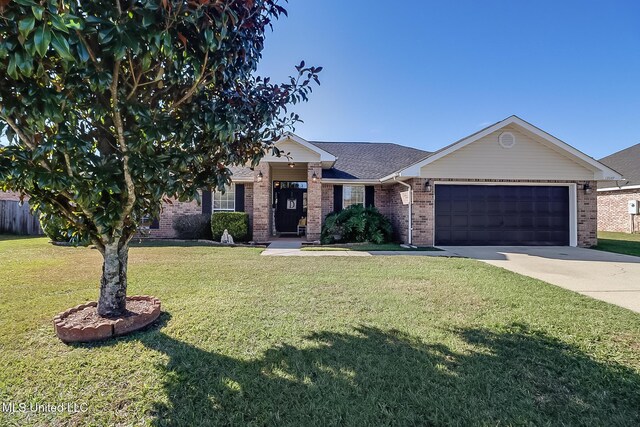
pixel 410 206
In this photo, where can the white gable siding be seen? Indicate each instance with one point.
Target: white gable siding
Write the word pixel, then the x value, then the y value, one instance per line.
pixel 297 152
pixel 485 158
pixel 288 174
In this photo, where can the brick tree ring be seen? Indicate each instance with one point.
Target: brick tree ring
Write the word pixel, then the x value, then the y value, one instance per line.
pixel 83 324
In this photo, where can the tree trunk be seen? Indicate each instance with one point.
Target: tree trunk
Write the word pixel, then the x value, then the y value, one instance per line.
pixel 113 284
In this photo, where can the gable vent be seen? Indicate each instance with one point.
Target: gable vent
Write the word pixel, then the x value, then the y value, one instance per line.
pixel 507 140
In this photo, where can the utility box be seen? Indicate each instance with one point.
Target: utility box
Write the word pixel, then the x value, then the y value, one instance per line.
pixel 634 208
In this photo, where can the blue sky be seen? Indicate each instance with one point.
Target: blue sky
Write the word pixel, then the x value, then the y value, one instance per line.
pixel 425 73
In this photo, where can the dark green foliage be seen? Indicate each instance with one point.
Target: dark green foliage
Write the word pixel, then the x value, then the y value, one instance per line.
pixel 57 230
pixel 356 224
pixel 109 106
pixel 236 223
pixel 197 226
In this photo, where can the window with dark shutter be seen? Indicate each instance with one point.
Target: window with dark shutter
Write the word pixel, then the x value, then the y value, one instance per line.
pixel 206 202
pixel 337 198
pixel 369 196
pixel 239 197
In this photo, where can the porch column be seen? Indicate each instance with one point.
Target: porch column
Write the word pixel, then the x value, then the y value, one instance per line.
pixel 262 203
pixel 423 220
pixel 314 201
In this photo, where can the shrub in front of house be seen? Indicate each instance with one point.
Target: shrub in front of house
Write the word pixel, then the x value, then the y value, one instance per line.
pixel 56 229
pixel 195 226
pixel 356 224
pixel 237 223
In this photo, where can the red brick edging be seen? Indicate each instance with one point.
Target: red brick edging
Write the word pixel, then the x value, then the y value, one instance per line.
pixel 108 328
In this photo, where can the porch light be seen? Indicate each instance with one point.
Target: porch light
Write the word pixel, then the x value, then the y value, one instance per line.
pixel 259 176
pixel 291 164
pixel 427 186
pixel 587 188
pixel 314 177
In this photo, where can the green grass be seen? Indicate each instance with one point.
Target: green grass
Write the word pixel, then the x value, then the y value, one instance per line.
pixel 622 243
pixel 255 340
pixel 367 247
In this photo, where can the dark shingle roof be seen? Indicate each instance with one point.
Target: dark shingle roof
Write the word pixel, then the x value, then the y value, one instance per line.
pixel 368 160
pixel 627 163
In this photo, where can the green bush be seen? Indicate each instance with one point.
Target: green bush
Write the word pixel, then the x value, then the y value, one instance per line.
pixel 196 226
pixel 356 224
pixel 236 223
pixel 59 230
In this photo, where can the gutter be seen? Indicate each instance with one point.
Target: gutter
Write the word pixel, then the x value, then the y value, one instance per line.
pixel 410 230
pixel 628 187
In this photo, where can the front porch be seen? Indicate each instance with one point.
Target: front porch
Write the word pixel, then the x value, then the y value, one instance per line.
pixel 284 193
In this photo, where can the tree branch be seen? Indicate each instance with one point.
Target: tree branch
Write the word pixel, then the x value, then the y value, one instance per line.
pixel 117 122
pixel 193 88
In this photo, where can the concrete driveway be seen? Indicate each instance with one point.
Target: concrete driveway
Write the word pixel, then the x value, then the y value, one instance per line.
pixel 606 276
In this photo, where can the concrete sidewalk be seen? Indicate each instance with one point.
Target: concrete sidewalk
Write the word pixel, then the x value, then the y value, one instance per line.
pixel 610 277
pixel 294 248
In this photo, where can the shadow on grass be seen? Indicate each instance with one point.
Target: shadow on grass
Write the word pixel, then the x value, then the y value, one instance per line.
pixel 381 377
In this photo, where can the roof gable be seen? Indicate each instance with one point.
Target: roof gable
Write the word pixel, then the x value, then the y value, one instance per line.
pixel 599 170
pixel 296 149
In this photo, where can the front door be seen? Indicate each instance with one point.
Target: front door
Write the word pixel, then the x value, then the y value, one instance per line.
pixel 289 208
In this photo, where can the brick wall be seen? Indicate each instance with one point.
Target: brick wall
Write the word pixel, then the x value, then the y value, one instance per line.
pixel 169 212
pixel 613 212
pixel 248 203
pixel 262 204
pixel 587 215
pixel 421 213
pixel 314 201
pixel 327 200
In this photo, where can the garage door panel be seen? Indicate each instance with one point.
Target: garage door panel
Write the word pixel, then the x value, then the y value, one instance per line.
pixel 460 220
pixel 502 215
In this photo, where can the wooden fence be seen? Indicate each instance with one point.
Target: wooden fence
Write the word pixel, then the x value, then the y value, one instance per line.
pixel 16 219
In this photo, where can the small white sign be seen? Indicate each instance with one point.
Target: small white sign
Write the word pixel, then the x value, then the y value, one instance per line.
pixel 405 197
pixel 292 203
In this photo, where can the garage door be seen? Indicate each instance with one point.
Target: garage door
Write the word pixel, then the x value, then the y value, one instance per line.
pixel 502 215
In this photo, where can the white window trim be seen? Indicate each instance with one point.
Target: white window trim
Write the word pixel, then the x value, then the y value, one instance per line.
pixel 364 196
pixel 232 186
pixel 573 202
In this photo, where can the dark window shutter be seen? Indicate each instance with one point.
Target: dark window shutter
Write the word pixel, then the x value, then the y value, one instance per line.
pixel 369 196
pixel 239 197
pixel 206 202
pixel 155 224
pixel 337 198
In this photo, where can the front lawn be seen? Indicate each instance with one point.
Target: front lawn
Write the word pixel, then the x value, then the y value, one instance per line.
pixel 256 340
pixel 622 243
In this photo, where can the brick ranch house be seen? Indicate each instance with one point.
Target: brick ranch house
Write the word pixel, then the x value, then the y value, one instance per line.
pixel 614 196
pixel 508 184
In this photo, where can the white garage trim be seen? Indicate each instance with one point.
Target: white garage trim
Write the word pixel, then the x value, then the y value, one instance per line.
pixel 573 201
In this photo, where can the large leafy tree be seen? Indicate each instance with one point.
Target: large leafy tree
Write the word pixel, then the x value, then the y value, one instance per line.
pixel 111 106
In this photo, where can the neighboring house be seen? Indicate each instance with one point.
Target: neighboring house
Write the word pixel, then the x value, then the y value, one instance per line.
pixel 508 184
pixel 614 196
